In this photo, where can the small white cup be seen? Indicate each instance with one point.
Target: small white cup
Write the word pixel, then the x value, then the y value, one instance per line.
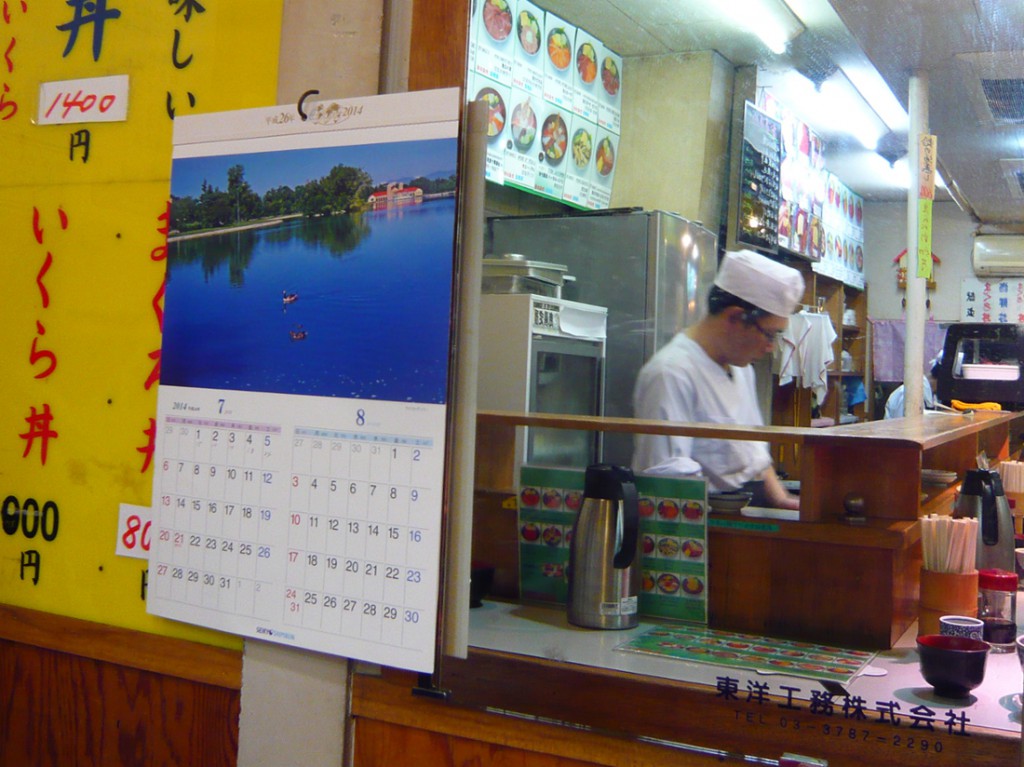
pixel 961 626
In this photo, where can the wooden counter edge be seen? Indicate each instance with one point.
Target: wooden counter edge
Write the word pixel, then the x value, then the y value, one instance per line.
pixel 924 433
pixel 503 699
pixel 874 533
pixel 386 700
pixel 179 658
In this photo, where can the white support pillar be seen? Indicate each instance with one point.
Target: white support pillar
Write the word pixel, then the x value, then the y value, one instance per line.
pixel 916 295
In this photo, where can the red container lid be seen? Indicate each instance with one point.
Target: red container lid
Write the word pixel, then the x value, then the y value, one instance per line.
pixel 997 580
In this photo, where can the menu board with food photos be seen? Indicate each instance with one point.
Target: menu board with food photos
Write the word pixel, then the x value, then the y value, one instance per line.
pixel 553 93
pixel 673 540
pixel 820 218
pixel 842 220
pixel 760 157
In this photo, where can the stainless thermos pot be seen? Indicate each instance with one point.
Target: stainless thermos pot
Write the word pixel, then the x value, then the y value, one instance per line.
pixel 982 498
pixel 604 559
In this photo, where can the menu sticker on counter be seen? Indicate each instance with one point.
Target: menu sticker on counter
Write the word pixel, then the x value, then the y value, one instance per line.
pixel 495 49
pixel 609 115
pixel 760 157
pixel 559 39
pixel 765 654
pixel 528 63
pixel 497 97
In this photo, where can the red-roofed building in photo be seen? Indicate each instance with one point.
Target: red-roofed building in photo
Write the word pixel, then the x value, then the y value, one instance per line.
pixel 397 193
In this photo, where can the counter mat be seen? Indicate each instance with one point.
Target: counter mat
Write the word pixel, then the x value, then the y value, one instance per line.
pixel 765 654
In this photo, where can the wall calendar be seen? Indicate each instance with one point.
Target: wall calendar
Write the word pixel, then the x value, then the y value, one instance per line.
pixel 302 408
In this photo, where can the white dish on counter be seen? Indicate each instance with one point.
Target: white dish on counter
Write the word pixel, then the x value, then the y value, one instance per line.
pixel 984 372
pixel 937 476
pixel 789 515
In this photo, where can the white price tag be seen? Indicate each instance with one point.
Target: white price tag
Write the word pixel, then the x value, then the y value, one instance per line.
pixel 90 100
pixel 133 530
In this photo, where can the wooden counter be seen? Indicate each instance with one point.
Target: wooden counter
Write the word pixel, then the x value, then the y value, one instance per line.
pixel 816 578
pixel 820 579
pixel 506 710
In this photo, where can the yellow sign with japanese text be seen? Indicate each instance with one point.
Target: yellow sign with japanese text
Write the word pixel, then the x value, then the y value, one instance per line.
pixel 926 167
pixel 924 238
pixel 88 94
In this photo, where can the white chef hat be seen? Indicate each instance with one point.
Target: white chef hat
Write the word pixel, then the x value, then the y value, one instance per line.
pixel 767 284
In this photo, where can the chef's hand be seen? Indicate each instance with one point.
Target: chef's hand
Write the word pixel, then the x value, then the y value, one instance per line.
pixel 777 495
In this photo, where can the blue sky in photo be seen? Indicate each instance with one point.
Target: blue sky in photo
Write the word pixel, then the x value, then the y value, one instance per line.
pixel 399 161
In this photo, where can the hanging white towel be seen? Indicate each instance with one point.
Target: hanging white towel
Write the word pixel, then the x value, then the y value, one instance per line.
pixel 804 352
pixel 787 351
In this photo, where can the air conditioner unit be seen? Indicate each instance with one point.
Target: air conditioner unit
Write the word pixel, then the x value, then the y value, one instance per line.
pixel 998 255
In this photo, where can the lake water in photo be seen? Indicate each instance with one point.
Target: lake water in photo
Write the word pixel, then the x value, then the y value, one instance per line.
pixel 370 319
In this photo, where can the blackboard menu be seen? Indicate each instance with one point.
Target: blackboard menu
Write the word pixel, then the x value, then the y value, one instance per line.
pixel 759 180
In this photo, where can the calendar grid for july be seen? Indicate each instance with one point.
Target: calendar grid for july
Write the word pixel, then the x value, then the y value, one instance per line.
pixel 218 553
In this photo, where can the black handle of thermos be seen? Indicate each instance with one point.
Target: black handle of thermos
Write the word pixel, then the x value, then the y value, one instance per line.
pixel 630 526
pixel 989 514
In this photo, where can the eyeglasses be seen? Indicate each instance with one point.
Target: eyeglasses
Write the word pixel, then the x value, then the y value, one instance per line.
pixel 768 336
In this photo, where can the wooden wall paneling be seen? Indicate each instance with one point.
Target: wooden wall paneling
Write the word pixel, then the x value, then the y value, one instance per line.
pixel 58 709
pixel 437 58
pixel 389 722
pixel 149 652
pixel 495 456
pixel 822 579
pixel 80 693
pixel 889 480
pixel 827 583
pixel 384 745
pixel 739 590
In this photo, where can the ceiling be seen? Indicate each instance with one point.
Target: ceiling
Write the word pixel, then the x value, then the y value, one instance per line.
pixel 969 50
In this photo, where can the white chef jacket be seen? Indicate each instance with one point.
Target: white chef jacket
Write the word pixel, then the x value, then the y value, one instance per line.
pixel 894 405
pixel 682 384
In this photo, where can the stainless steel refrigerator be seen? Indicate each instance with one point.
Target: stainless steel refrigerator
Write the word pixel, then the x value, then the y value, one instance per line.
pixel 651 269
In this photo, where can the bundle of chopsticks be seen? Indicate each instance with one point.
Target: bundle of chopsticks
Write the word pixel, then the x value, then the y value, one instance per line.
pixel 949 545
pixel 1012 475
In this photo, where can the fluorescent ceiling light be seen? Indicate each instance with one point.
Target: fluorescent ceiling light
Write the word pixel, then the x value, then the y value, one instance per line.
pixel 879 96
pixel 896 174
pixel 841 99
pixel 835 108
pixel 770 20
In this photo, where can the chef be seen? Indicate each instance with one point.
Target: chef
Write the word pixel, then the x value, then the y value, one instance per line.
pixel 704 375
pixel 894 404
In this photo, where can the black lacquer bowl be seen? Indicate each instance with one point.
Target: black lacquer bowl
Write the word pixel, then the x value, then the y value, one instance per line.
pixel 952 665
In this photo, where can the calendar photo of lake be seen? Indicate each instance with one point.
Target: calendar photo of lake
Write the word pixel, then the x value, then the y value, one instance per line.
pixel 317 271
